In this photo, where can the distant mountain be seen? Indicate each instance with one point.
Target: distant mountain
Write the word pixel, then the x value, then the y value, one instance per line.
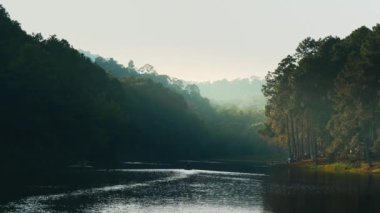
pixel 242 93
pixel 189 91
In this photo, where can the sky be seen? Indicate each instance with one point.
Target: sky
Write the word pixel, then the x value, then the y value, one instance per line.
pixel 195 40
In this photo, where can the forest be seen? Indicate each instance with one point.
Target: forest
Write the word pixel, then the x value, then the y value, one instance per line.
pixel 61 108
pixel 323 101
pixel 189 106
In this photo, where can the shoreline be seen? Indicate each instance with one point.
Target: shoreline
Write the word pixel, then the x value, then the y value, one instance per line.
pixel 339 167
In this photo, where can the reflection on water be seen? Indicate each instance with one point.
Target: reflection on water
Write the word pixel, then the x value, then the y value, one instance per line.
pixel 172 190
pixel 297 191
pixel 178 190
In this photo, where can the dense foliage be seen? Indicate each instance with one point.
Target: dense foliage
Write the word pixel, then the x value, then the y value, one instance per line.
pixel 232 131
pixel 59 108
pixel 324 101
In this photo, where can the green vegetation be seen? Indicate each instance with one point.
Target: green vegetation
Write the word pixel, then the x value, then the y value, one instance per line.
pixel 59 108
pixel 233 130
pixel 340 167
pixel 324 100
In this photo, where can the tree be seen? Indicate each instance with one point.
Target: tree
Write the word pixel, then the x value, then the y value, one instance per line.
pixel 323 101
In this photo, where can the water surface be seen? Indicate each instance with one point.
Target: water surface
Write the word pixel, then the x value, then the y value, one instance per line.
pixel 197 190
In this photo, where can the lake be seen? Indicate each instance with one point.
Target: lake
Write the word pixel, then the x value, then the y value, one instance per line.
pixel 207 187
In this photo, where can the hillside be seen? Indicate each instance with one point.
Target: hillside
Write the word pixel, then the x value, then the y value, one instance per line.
pixel 243 93
pixel 59 108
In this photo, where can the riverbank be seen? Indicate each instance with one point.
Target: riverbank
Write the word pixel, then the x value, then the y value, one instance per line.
pixel 340 167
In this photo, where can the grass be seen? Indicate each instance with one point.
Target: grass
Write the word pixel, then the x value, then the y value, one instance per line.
pixel 340 167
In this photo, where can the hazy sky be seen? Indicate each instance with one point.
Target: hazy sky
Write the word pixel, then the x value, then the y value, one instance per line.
pixel 194 39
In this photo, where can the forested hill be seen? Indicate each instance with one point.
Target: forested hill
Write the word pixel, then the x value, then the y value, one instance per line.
pixel 324 100
pixel 190 92
pixel 235 129
pixel 243 93
pixel 59 108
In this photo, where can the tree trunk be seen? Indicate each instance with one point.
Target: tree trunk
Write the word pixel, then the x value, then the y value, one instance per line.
pixel 289 138
pixel 295 150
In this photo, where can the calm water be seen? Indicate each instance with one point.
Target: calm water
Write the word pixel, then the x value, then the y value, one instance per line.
pixel 245 188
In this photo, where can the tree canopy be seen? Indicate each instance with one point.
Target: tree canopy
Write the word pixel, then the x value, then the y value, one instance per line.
pixel 59 107
pixel 323 101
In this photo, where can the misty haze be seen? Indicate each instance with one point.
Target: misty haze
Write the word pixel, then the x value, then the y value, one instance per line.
pixel 190 106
